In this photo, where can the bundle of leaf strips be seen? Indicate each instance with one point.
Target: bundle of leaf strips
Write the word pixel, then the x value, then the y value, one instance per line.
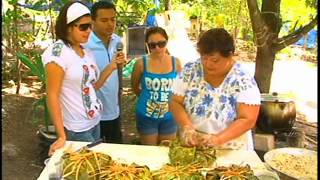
pixel 180 155
pixel 90 165
pixel 233 172
pixel 179 172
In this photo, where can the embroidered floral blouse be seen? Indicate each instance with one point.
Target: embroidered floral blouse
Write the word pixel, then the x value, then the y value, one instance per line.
pixel 213 109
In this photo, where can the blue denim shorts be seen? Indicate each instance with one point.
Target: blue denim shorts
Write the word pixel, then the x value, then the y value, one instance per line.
pixel 149 126
pixel 90 135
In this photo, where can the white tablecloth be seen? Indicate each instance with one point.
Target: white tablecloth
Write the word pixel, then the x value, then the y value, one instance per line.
pixel 155 156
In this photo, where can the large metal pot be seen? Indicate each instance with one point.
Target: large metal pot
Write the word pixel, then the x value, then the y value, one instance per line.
pixel 276 113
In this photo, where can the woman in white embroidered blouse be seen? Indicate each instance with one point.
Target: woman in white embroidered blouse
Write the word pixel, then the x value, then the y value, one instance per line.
pixel 215 102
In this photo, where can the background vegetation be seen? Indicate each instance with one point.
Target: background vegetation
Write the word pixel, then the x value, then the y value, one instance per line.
pixel 26 27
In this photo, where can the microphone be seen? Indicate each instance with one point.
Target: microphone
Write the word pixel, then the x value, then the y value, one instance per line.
pixel 119 48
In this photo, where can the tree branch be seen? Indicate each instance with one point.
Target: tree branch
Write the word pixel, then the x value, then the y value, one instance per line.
pixel 255 15
pixel 295 36
pixel 259 26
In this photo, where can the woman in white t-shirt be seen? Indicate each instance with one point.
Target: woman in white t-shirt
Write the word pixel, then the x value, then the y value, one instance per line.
pixel 72 77
pixel 215 102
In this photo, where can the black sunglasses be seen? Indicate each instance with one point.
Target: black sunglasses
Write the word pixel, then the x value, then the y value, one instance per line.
pixel 160 44
pixel 83 27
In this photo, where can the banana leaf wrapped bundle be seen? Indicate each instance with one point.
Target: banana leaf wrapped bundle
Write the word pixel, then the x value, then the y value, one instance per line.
pixel 179 172
pixel 233 172
pixel 82 164
pixel 120 171
pixel 181 155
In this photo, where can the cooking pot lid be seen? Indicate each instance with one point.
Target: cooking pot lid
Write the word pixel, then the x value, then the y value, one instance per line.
pixel 275 97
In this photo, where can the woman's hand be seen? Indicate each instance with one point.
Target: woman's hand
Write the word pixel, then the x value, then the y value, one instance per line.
pixel 188 136
pixel 208 140
pixel 59 143
pixel 118 60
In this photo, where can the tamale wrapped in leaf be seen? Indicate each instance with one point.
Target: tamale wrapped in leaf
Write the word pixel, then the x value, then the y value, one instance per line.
pixel 234 172
pixel 125 172
pixel 81 165
pixel 181 155
pixel 179 172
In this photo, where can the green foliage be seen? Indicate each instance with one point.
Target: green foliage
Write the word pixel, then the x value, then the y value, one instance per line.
pixel 36 66
pixel 131 12
pixel 230 14
pixel 22 29
pixel 296 13
pixel 312 3
pixel 25 23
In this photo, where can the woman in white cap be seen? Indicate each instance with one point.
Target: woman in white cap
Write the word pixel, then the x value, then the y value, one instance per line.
pixel 72 77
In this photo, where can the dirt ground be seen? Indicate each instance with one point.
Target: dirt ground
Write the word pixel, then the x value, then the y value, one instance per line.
pixel 23 152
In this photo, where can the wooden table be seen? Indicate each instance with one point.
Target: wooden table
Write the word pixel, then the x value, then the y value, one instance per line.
pixel 155 156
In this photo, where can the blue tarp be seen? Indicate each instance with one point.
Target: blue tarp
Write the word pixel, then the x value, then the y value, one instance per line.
pixel 311 39
pixel 55 4
pixel 151 21
pixel 151 15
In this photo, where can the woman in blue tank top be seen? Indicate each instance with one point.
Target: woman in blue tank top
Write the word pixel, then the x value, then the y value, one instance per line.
pixel 151 81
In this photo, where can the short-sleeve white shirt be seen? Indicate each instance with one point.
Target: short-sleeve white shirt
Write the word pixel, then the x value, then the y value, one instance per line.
pixel 78 101
pixel 213 109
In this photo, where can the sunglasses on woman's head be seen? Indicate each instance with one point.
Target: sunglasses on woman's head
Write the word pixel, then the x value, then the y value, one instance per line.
pixel 160 44
pixel 83 27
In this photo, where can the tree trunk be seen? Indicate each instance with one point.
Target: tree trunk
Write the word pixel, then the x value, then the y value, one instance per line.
pixel 266 26
pixel 264 67
pixel 167 5
pixel 52 24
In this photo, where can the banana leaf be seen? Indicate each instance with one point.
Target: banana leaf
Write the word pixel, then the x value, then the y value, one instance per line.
pixel 181 155
pixel 39 64
pixel 83 164
pixel 126 172
pixel 233 172
pixel 179 172
pixel 30 64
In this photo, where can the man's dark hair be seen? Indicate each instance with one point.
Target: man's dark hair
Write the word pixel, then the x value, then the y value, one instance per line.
pixel 216 40
pixel 101 5
pixel 61 27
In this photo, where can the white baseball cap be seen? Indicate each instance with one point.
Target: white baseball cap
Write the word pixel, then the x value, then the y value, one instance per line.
pixel 75 11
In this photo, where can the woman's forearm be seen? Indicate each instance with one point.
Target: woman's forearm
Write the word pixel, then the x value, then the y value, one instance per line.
pixel 106 72
pixel 56 115
pixel 236 129
pixel 246 119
